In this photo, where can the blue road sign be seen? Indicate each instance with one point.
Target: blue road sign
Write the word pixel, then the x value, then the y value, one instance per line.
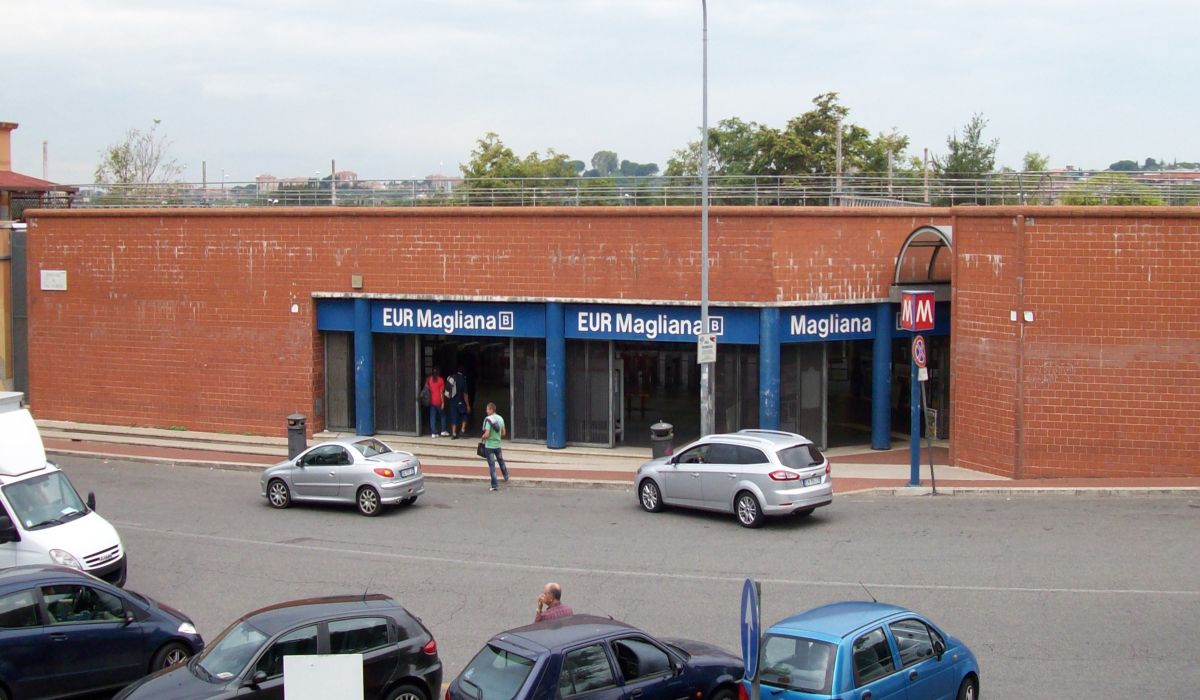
pixel 750 629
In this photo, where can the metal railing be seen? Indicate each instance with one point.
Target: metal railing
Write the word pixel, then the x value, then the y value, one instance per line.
pixel 1072 187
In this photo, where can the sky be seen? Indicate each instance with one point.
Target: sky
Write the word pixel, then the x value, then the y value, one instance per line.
pixel 402 89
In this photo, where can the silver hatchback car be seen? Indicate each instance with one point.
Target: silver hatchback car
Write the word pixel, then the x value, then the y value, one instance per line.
pixel 363 471
pixel 750 473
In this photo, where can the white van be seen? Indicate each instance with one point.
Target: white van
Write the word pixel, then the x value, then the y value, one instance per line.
pixel 42 518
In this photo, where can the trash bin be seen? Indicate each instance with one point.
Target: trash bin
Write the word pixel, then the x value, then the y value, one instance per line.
pixel 661 436
pixel 297 441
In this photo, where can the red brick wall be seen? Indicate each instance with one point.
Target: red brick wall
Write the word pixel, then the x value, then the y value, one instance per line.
pixel 1111 362
pixel 183 318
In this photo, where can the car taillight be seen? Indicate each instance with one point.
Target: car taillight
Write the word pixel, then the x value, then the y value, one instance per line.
pixel 827 465
pixel 447 693
pixel 385 472
pixel 431 648
pixel 742 692
pixel 781 475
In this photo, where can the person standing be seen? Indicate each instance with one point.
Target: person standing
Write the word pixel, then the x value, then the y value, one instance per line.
pixel 460 404
pixel 551 602
pixel 437 403
pixel 493 430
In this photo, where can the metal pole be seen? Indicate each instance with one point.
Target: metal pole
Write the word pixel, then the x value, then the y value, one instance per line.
pixel 333 182
pixel 707 414
pixel 928 435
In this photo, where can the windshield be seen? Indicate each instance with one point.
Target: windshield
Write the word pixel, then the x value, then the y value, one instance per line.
pixel 797 663
pixel 230 653
pixel 495 674
pixel 372 447
pixel 45 500
pixel 801 456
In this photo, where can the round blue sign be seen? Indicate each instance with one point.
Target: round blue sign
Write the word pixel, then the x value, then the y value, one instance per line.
pixel 918 350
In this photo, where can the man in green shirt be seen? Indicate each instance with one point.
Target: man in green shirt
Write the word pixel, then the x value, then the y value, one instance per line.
pixel 493 430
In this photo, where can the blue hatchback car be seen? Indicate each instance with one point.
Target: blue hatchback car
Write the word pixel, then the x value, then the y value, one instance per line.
pixel 64 632
pixel 582 657
pixel 864 651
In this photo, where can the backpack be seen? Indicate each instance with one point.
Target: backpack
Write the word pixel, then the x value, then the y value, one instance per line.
pixel 451 388
pixel 425 396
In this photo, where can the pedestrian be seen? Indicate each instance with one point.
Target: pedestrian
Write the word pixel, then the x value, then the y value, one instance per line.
pixel 460 403
pixel 437 402
pixel 493 430
pixel 551 601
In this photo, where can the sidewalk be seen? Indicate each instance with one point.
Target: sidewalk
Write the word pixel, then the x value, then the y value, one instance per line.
pixel 854 469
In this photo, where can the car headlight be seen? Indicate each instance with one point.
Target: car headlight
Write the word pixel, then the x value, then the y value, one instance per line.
pixel 187 628
pixel 64 558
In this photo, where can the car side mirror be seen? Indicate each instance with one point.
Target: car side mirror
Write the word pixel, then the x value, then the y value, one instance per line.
pixel 258 677
pixel 938 649
pixel 91 500
pixel 8 531
pixel 300 463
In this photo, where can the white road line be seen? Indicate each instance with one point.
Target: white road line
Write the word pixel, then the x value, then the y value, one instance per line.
pixel 651 574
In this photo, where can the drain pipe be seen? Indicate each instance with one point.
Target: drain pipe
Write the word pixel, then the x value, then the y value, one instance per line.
pixel 1019 397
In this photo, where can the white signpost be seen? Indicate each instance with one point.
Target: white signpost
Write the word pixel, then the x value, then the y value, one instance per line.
pixel 706 348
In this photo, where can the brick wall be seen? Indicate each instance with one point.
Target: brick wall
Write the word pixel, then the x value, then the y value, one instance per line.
pixel 184 318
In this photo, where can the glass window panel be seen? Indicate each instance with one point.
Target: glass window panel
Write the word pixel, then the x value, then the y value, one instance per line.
pixel 358 635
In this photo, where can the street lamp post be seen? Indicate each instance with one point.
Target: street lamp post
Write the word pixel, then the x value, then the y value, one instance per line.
pixel 707 414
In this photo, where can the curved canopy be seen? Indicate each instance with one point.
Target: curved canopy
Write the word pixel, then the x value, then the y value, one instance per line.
pixel 936 237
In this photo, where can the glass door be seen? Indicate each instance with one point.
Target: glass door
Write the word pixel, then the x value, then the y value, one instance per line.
pixel 528 389
pixel 802 390
pixel 589 392
pixel 396 384
pixel 339 381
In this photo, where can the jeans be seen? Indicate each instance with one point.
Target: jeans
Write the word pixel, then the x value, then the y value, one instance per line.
pixel 494 454
pixel 437 413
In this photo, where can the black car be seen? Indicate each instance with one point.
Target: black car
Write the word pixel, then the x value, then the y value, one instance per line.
pixel 400 657
pixel 64 632
pixel 594 658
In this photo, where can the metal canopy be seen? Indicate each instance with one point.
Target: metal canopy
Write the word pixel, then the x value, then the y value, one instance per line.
pixel 936 237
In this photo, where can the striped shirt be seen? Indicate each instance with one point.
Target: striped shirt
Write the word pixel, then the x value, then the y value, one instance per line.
pixel 554 612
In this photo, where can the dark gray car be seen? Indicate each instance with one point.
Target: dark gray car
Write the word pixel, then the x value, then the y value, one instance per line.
pixel 363 471
pixel 750 473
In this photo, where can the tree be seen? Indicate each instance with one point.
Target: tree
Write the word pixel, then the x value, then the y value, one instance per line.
pixel 1124 166
pixel 970 156
pixel 1113 189
pixel 143 157
pixel 734 148
pixel 1035 162
pixel 604 163
pixel 494 166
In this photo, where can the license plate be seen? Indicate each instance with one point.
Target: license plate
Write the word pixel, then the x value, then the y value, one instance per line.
pixel 408 472
pixel 811 481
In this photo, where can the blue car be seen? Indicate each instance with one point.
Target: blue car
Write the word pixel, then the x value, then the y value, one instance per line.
pixel 64 632
pixel 864 651
pixel 582 657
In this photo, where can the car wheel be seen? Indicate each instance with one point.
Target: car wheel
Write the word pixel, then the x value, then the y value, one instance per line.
pixel 171 653
pixel 278 494
pixel 723 694
pixel 368 501
pixel 650 496
pixel 407 692
pixel 969 690
pixel 749 514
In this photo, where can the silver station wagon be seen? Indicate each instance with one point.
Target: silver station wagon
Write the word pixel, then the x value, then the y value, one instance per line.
pixel 363 471
pixel 750 473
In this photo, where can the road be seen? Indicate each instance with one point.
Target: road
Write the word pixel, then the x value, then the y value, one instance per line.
pixel 1063 597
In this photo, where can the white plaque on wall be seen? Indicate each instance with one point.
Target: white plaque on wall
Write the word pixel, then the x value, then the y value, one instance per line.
pixel 54 280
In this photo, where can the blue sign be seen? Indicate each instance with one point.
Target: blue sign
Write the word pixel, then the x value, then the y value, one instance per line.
pixel 817 324
pixel 750 629
pixel 459 318
pixel 668 324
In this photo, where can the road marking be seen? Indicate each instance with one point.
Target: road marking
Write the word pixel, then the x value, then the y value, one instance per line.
pixel 652 574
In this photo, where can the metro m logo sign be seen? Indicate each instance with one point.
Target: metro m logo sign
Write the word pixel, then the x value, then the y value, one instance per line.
pixel 916 310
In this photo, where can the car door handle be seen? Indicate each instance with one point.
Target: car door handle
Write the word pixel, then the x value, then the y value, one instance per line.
pixel 733 476
pixel 636 694
pixel 867 695
pixel 695 475
pixel 332 473
pixel 912 676
pixel 58 637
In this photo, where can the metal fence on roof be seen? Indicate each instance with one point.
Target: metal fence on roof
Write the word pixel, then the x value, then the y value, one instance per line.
pixel 1079 187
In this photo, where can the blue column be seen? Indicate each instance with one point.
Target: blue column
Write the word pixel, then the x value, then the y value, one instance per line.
pixel 364 369
pixel 914 427
pixel 768 369
pixel 881 378
pixel 556 376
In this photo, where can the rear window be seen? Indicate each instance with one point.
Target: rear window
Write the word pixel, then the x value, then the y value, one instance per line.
pixel 495 674
pixel 801 456
pixel 797 663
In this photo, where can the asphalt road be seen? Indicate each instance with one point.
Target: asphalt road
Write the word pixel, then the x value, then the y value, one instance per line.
pixel 1060 597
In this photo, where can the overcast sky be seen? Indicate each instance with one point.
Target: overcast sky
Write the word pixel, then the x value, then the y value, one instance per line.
pixel 405 88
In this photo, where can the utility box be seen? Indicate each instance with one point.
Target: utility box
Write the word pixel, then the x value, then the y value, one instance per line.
pixel 297 440
pixel 662 437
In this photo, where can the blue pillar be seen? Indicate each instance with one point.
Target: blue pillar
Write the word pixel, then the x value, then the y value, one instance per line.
pixel 914 428
pixel 364 369
pixel 768 369
pixel 556 376
pixel 881 378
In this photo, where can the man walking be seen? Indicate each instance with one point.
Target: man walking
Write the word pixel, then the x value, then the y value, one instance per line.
pixel 460 405
pixel 551 602
pixel 493 430
pixel 437 402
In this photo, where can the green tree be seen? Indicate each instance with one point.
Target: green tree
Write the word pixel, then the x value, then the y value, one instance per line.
pixel 1113 189
pixel 144 157
pixel 969 156
pixel 605 163
pixel 494 166
pixel 734 148
pixel 1035 162
pixel 1124 166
